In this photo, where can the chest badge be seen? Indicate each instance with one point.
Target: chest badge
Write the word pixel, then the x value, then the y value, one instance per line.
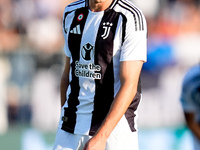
pixel 106 27
pixel 80 17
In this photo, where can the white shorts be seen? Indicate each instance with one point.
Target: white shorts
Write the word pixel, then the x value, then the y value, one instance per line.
pixel 121 138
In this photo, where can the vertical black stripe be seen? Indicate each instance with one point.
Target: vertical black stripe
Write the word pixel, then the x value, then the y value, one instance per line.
pixel 104 95
pixel 130 112
pixel 139 87
pixel 74 41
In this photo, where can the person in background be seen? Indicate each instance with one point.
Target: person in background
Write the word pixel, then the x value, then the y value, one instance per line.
pixel 190 99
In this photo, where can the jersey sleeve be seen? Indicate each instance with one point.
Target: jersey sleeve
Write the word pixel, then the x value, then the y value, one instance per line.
pixel 135 42
pixel 66 32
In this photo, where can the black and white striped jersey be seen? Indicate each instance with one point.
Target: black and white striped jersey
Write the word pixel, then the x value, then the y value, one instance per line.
pixel 97 42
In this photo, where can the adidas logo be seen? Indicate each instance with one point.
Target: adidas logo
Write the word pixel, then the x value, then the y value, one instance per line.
pixel 76 30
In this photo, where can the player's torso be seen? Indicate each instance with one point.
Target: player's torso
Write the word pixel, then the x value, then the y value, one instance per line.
pixel 94 40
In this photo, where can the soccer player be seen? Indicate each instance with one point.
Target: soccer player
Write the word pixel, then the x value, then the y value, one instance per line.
pixel 190 99
pixel 105 47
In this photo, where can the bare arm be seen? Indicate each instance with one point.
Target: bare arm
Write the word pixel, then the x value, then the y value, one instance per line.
pixel 192 124
pixel 129 80
pixel 64 81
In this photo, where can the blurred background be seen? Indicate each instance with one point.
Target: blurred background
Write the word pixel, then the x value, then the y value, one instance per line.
pixel 31 63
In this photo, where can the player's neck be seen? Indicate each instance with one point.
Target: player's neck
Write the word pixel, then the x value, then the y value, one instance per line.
pixel 99 5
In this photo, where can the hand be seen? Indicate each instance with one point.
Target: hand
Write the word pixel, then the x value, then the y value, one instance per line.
pixel 95 144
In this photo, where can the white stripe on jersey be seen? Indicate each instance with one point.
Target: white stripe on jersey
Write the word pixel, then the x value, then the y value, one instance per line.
pixel 86 94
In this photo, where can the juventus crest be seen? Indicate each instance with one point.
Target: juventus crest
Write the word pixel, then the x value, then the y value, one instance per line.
pixel 106 27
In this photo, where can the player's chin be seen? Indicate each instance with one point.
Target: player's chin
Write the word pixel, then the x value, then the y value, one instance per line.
pixel 99 1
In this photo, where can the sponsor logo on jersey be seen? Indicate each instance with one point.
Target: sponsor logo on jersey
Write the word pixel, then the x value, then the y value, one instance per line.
pixel 87 51
pixel 87 70
pixel 106 27
pixel 76 30
pixel 80 17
